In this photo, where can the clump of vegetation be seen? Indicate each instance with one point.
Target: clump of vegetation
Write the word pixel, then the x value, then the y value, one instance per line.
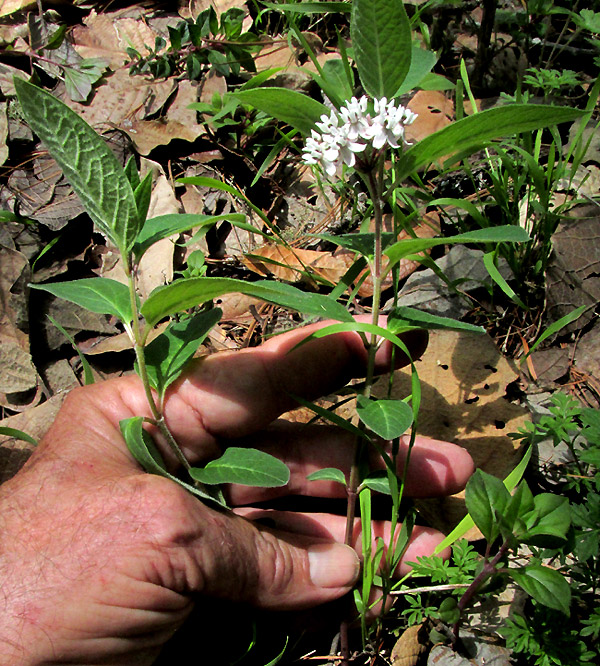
pixel 351 129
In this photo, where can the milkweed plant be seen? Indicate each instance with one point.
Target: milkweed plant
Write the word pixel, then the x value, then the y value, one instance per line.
pixel 349 131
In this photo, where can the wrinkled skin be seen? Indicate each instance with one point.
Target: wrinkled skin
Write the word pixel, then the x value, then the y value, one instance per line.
pixel 101 563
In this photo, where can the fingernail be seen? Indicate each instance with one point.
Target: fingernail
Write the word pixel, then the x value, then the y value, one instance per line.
pixel 333 565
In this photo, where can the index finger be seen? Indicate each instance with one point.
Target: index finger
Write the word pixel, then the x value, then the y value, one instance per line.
pixel 233 394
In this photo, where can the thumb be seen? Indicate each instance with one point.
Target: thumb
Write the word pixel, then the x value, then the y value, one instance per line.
pixel 272 569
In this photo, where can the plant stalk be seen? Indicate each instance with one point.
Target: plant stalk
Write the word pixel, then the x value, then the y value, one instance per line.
pixel 374 181
pixel 488 569
pixel 138 346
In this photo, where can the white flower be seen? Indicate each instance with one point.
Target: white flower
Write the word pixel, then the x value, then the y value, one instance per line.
pixel 347 132
pixel 388 124
pixel 354 116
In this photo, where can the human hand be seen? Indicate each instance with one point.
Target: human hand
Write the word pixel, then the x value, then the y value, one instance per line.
pixel 101 563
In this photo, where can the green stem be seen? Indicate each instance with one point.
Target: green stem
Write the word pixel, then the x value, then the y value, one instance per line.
pixel 138 340
pixel 374 181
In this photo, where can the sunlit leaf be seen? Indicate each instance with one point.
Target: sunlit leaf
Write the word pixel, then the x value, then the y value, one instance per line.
pixel 503 234
pixel 87 162
pixel 381 38
pixel 486 497
pixel 188 293
pixel 404 316
pixel 167 355
pixel 144 450
pixel 387 418
pixel 164 226
pixel 328 474
pixel 17 434
pixel 289 106
pixel 247 467
pixel 474 131
pixel 545 585
pixel 101 295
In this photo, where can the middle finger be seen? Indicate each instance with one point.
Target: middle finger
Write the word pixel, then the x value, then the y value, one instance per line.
pixel 436 468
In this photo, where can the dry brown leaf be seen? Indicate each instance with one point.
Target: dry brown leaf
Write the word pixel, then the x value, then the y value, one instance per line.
pixel 265 260
pixel 35 422
pixel 236 307
pixel 73 318
pixel 3 133
pixel 463 382
pixel 43 193
pixel 156 266
pixel 219 340
pixel 116 343
pixel 7 72
pixel 434 110
pixel 108 35
pixel 124 100
pixel 14 276
pixel 278 53
pixel 147 134
pixel 179 111
pixel 59 376
pixel 411 645
pixel 574 269
pixel 18 374
pixel 18 381
pixel 11 6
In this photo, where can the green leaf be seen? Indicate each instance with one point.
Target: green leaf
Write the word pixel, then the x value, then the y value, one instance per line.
pixel 404 316
pixel 548 522
pixel 142 194
pixel 132 173
pixel 328 474
pixel 486 498
pixel 474 131
pixel 363 243
pixel 510 482
pixel 387 418
pixel 101 295
pixel 421 64
pixel 545 585
pixel 17 434
pixel 247 467
pixel 503 234
pixel 519 504
pixel 558 325
pixel 377 481
pixel 332 417
pixel 381 38
pixel 163 226
pixel 333 81
pixel 202 181
pixel 359 326
pixel 87 162
pixel 489 263
pixel 309 7
pixel 449 613
pixel 167 355
pixel 188 293
pixel 144 450
pixel 291 107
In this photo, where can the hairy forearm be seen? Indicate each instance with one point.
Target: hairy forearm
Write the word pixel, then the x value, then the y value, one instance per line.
pixel 21 640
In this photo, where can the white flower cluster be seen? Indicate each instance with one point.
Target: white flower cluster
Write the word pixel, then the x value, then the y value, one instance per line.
pixel 349 131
